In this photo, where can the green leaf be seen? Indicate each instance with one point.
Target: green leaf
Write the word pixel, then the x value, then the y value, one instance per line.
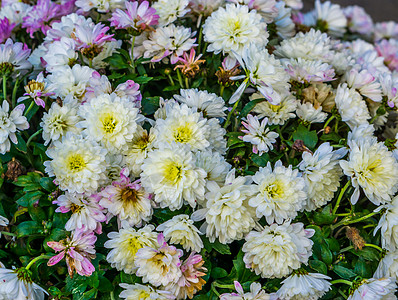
pixel 318 266
pixel 249 107
pixel 217 273
pixel 344 272
pixel 309 138
pixel 28 228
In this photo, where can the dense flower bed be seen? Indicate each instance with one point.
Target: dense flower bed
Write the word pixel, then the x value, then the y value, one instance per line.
pixel 202 149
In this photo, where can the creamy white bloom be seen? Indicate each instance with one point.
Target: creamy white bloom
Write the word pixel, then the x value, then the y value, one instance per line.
pixel 388 225
pixel 78 164
pixel 308 286
pixel 308 113
pixel 59 120
pixel 388 266
pixel 170 40
pixel 276 114
pixel 86 212
pixel 211 105
pixel 278 194
pixel 260 137
pixel 110 121
pixel 102 6
pixel 278 249
pixel 322 173
pixel 374 289
pixel 181 230
pixel 137 150
pixel 125 244
pixel 70 81
pixel 160 265
pixel 351 106
pixel 171 174
pixel 10 124
pixel 365 83
pixel 170 10
pixel 313 45
pixel 229 29
pixel 143 292
pixel 183 125
pixel 228 215
pixel 214 164
pixel 262 71
pixel 373 168
pixel 333 17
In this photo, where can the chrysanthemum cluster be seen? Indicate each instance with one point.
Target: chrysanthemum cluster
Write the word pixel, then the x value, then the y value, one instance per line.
pixel 189 145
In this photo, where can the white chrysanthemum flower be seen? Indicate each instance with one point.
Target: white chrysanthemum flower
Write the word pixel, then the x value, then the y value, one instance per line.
pixel 310 71
pixel 332 17
pixel 101 6
pixel 181 230
pixel 209 104
pixel 230 29
pixel 17 284
pixel 276 114
pixel 278 194
pixel 307 286
pixel 109 120
pixel 170 10
pixel 374 289
pixel 127 200
pixel 373 168
pixel 78 164
pixel 256 293
pixel 313 45
pixel 260 137
pixel 264 72
pixel 388 225
pixel 308 113
pixel 285 27
pixel 86 212
pixel 3 222
pixel 160 265
pixel 278 249
pixel 351 106
pixel 70 81
pixel 10 124
pixel 322 173
pixel 170 40
pixel 137 150
pixel 171 174
pixel 388 266
pixel 125 244
pixel 60 54
pixel 183 125
pixel 365 83
pixel 15 12
pixel 58 121
pixel 143 292
pixel 228 215
pixel 214 164
pixel 216 136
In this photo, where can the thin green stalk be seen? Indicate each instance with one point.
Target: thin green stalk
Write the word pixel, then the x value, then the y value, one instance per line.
pixel 14 93
pixel 29 108
pixel 4 87
pixel 341 281
pixel 36 259
pixel 340 197
pixel 32 136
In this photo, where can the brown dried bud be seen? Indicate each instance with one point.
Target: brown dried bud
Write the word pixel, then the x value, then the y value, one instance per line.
pixel 299 146
pixel 14 169
pixel 353 235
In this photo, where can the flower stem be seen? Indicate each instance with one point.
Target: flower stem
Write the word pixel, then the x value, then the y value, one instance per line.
pixel 36 259
pixel 4 87
pixel 374 246
pixel 32 136
pixel 14 93
pixel 29 108
pixel 341 281
pixel 340 197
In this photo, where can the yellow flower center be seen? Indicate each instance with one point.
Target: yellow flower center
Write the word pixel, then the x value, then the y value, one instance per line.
pixel 76 163
pixel 173 172
pixel 109 123
pixel 183 134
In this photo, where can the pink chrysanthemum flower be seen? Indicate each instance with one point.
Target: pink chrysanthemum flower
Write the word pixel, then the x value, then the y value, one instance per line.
pixel 78 251
pixel 191 280
pixel 37 89
pixel 13 57
pixel 389 50
pixel 5 29
pixel 43 14
pixel 136 17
